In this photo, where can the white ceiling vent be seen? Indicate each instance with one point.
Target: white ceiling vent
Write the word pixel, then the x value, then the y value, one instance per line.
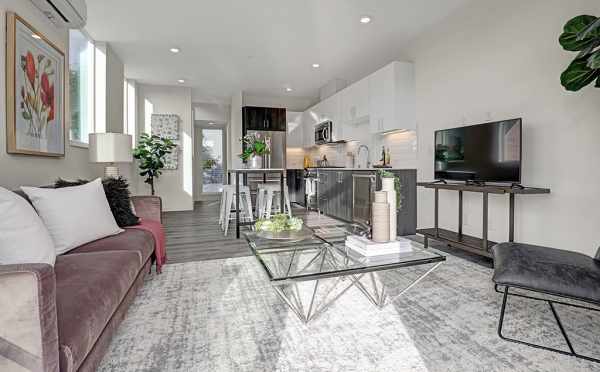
pixel 64 13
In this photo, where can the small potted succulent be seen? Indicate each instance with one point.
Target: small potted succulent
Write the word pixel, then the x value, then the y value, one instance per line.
pixel 255 148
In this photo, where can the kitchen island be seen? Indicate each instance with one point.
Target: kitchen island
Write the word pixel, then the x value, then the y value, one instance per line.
pixel 345 193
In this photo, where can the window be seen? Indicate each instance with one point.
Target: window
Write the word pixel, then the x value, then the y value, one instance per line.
pixel 81 86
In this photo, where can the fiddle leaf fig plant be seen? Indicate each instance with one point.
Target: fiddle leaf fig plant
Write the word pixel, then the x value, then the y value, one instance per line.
pixel 582 34
pixel 151 152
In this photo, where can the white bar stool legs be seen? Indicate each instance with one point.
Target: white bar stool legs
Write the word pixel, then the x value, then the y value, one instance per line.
pixel 227 203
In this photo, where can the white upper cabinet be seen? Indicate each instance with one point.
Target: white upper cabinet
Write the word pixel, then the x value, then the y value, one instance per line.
pixel 295 130
pixel 382 102
pixel 310 118
pixel 329 110
pixel 392 98
pixel 355 103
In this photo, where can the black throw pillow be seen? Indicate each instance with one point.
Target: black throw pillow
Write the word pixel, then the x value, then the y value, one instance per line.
pixel 118 196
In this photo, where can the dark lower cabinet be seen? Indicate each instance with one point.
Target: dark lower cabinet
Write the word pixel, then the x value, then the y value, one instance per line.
pixel 336 198
pixel 295 182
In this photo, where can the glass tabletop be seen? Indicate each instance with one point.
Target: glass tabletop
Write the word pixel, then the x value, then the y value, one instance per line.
pixel 323 254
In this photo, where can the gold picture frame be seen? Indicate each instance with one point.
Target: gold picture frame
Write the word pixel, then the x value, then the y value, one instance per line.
pixel 35 91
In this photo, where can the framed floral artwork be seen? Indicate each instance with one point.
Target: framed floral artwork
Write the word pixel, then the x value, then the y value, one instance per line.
pixel 35 87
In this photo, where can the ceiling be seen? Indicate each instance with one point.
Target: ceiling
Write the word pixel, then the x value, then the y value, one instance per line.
pixel 259 46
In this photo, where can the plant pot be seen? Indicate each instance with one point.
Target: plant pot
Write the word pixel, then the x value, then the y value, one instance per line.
pixel 255 162
pixel 387 185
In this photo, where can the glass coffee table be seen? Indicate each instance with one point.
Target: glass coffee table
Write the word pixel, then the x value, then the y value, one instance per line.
pixel 311 273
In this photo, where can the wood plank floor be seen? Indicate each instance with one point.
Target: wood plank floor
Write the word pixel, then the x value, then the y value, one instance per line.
pixel 196 235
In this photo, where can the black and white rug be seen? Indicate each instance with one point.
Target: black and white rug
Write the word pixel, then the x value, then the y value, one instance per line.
pixel 222 315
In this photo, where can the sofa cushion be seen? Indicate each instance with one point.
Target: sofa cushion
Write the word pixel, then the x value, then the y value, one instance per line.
pixel 89 288
pixel 134 240
pixel 550 270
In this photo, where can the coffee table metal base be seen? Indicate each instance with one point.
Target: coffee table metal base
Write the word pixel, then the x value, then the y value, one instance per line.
pixel 378 294
pixel 308 309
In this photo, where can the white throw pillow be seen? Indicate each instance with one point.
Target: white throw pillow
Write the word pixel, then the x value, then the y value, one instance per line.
pixel 74 215
pixel 23 236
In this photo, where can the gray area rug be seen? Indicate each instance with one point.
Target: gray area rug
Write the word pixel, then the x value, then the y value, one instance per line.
pixel 222 315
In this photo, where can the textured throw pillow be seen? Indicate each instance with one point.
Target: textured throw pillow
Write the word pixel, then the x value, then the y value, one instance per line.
pixel 74 215
pixel 118 196
pixel 23 236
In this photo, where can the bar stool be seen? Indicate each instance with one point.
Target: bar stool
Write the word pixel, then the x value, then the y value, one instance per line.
pixel 264 199
pixel 227 203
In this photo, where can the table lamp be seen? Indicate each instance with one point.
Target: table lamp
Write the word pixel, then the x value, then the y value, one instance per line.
pixel 110 148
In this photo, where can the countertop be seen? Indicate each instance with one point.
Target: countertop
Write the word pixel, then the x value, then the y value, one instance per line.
pixel 359 169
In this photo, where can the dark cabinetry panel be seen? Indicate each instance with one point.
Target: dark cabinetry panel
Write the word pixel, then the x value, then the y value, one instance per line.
pixel 295 182
pixel 264 118
pixel 335 196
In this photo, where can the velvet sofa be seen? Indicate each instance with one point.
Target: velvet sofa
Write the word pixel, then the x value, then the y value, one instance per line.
pixel 62 318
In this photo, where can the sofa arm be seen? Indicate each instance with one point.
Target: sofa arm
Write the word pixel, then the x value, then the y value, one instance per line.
pixel 28 323
pixel 149 207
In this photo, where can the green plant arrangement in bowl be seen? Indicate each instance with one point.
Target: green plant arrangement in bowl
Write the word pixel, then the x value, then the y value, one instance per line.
pixel 255 147
pixel 282 227
pixel 278 223
pixel 582 34
pixel 397 185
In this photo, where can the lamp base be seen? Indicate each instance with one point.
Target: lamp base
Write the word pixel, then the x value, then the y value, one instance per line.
pixel 111 171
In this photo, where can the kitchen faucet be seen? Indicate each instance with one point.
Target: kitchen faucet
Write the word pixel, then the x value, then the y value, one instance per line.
pixel 358 155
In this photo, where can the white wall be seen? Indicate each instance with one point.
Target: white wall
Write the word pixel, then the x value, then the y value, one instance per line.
pixel 289 102
pixel 501 59
pixel 234 132
pixel 115 77
pixel 16 170
pixel 219 113
pixel 174 186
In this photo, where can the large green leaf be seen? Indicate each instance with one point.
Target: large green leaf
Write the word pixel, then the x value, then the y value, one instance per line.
pixel 594 60
pixel 597 83
pixel 590 30
pixel 576 27
pixel 578 75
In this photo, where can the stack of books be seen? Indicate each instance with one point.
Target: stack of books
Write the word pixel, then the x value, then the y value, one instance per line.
pixel 369 248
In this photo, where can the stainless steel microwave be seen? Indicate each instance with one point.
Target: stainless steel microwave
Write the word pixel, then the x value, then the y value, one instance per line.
pixel 324 133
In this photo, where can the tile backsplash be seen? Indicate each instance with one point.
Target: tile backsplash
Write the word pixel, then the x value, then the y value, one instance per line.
pixel 402 145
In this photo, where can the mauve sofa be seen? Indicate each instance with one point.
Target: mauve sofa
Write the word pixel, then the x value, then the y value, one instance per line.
pixel 63 317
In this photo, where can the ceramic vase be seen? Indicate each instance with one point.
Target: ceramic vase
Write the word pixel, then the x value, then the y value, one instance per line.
pixel 380 217
pixel 255 162
pixel 387 185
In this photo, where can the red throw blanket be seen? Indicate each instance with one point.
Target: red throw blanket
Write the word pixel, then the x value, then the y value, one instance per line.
pixel 157 231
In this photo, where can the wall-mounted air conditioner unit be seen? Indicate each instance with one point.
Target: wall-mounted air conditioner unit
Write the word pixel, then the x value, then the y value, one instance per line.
pixel 64 13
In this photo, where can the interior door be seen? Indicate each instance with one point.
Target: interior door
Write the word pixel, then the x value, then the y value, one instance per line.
pixel 212 160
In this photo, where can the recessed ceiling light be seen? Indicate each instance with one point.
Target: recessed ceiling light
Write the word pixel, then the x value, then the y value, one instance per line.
pixel 211 123
pixel 365 19
pixel 36 36
pixel 288 89
pixel 316 65
pixel 175 50
pixel 181 81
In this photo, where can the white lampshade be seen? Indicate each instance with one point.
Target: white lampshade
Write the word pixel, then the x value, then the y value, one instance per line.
pixel 110 148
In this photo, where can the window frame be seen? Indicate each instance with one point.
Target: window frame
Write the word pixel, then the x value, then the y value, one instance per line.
pixel 91 90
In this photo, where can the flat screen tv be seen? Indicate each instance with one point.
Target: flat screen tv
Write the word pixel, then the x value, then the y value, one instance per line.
pixel 489 152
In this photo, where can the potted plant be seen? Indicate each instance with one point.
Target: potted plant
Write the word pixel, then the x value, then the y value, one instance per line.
pixel 151 153
pixel 582 34
pixel 255 148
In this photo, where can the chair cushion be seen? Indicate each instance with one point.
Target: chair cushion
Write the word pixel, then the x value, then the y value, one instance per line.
pixel 134 240
pixel 549 270
pixel 89 288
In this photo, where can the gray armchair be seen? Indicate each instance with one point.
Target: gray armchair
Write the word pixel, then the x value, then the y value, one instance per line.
pixel 547 271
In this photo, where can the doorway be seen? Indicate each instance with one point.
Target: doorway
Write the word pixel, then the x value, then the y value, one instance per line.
pixel 211 159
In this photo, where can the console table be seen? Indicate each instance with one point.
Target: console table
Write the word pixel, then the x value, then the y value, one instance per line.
pixel 473 244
